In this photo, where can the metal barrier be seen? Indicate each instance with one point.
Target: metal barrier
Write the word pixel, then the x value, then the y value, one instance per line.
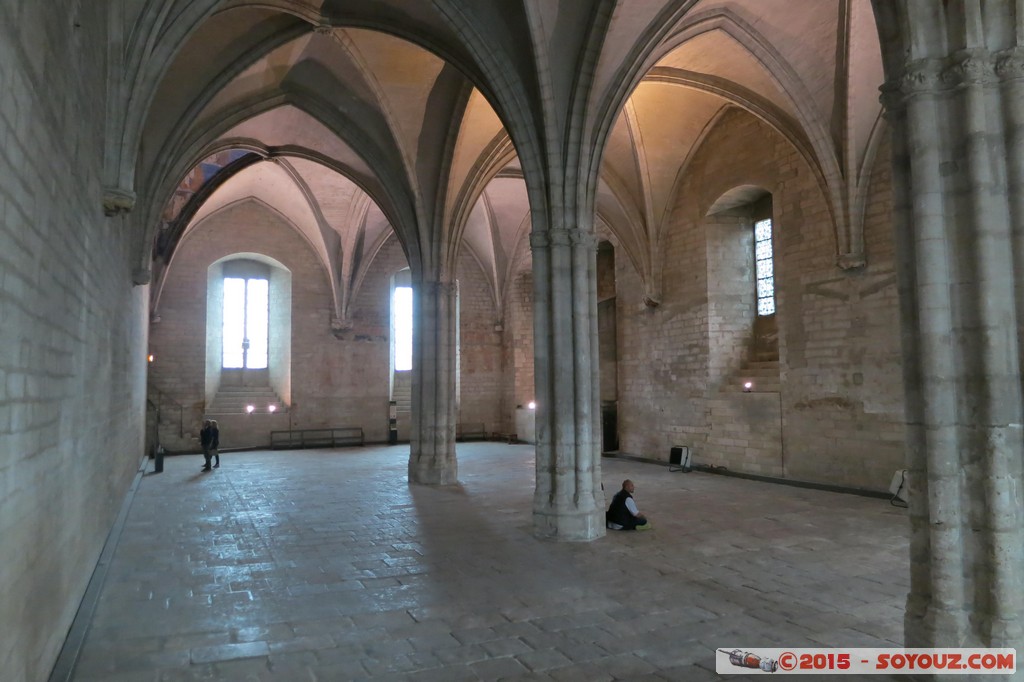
pixel 316 438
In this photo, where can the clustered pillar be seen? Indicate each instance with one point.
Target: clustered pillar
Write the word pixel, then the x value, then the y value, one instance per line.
pixel 568 500
pixel 432 447
pixel 958 153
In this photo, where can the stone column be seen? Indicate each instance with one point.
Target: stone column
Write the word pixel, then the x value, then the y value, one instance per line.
pixel 1010 69
pixel 568 501
pixel 956 223
pixel 432 441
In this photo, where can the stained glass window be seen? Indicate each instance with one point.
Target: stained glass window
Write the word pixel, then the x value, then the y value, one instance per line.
pixel 246 323
pixel 765 267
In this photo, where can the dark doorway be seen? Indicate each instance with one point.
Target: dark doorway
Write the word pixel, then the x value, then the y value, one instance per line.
pixel 607 336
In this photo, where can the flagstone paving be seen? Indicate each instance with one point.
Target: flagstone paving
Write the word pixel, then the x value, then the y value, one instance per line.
pixel 326 565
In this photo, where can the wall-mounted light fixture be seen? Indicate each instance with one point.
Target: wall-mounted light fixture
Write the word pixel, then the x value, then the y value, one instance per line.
pixel 532 405
pixel 150 357
pixel 747 386
pixel 250 408
pixel 271 408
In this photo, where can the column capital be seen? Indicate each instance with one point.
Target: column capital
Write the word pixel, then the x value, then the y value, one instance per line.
pixel 891 97
pixel 919 77
pixel 539 240
pixel 141 276
pixel 117 200
pixel 563 237
pixel 341 326
pixel 969 67
pixel 323 27
pixel 853 260
pixel 960 69
pixel 583 238
pixel 1010 64
pixel 439 287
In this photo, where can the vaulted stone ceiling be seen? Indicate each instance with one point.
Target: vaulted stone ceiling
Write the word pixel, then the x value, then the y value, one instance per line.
pixel 363 117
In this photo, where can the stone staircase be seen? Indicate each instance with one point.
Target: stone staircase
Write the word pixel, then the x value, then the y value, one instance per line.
pixel 234 400
pixel 402 395
pixel 763 377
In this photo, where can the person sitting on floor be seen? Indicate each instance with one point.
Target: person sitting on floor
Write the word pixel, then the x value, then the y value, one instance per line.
pixel 623 513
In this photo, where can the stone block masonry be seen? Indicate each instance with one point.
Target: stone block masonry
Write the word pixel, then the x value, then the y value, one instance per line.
pixel 72 332
pixel 838 330
pixel 335 381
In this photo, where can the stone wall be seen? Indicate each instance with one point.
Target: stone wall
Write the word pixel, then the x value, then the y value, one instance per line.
pixel 845 410
pixel 480 349
pixel 72 332
pixel 341 381
pixel 663 351
pixel 356 392
pixel 334 381
pixel 837 413
pixel 517 349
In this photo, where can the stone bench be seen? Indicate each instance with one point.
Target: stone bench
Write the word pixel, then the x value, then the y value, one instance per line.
pixel 509 438
pixel 470 432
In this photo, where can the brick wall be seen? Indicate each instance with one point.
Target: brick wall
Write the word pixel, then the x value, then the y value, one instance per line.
pixel 72 332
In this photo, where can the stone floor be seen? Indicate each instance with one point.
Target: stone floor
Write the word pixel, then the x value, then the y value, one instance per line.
pixel 326 565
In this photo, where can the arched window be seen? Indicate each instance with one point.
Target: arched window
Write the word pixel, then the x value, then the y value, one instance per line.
pixel 248 327
pixel 742 304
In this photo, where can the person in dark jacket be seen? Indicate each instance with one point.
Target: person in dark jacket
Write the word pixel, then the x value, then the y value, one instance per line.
pixel 205 435
pixel 215 443
pixel 623 513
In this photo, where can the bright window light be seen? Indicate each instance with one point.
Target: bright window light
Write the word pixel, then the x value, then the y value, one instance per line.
pixel 246 323
pixel 234 322
pixel 257 314
pixel 401 312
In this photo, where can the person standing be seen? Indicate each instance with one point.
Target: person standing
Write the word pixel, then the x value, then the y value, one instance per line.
pixel 214 444
pixel 205 435
pixel 623 513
